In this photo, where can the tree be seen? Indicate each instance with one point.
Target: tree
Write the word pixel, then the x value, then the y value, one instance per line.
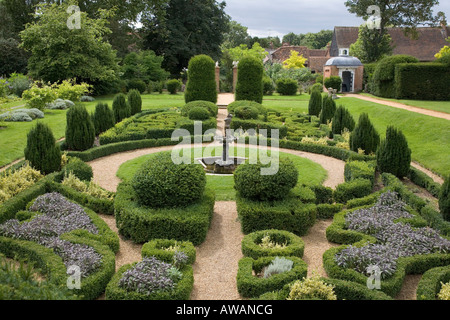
pixel 12 58
pixel 237 35
pixel 292 38
pixel 295 61
pixel 187 28
pixel 393 154
pixel 342 120
pixel 121 107
pixel 59 53
pixel 445 51
pixel 135 101
pixel 144 65
pixel 201 83
pixel 365 137
pixel 328 110
pixel 371 46
pixel 256 51
pixel 315 103
pixel 41 150
pixel 80 131
pixel 249 83
pixel 103 118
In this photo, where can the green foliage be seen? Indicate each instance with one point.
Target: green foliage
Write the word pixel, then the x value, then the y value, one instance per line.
pixel 80 131
pixel 246 112
pixel 143 65
pixel 333 82
pixel 324 195
pixel 251 181
pixel 41 150
pixel 359 169
pixel 393 154
pixel 251 286
pixel 372 44
pixel 327 211
pixel 249 83
pixel 164 249
pixel 210 106
pixel 14 59
pixel 79 168
pixel 342 120
pixel 357 188
pixel 283 244
pixel 318 86
pixel 246 103
pixel 364 137
pixel 444 199
pixel 135 101
pixel 39 95
pixel 383 80
pixel 201 83
pixel 315 103
pixel 431 283
pixel 103 118
pixel 287 87
pixel 136 84
pixel 14 182
pixel 70 90
pixel 173 86
pixel 121 108
pixel 312 288
pixel 328 110
pixel 199 114
pixel 181 184
pixel 268 87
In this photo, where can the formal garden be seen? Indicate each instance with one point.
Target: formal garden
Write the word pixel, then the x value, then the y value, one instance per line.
pixel 106 192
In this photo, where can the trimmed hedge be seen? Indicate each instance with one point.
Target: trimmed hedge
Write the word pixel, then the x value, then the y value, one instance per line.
pixel 258 125
pixel 289 214
pixel 79 168
pixel 422 180
pixel 357 188
pixel 135 101
pixel 201 84
pixel 393 154
pixel 359 169
pixel 327 211
pixel 182 290
pixel 422 81
pixel 294 244
pixel 324 195
pixel 251 286
pixel 430 283
pixel 156 247
pixel 144 224
pixel 212 108
pixel 80 130
pixel 287 87
pixel 249 84
pixel 344 290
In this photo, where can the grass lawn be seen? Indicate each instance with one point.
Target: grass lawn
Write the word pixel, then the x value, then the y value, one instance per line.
pixel 13 138
pixel 309 173
pixel 298 103
pixel 441 106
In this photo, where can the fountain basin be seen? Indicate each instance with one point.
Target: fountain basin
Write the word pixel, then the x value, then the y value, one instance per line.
pixel 215 165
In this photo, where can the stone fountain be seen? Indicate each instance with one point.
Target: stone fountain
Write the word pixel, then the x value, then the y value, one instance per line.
pixel 223 164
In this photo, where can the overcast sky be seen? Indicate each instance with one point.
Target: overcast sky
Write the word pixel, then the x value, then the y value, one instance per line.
pixel 279 17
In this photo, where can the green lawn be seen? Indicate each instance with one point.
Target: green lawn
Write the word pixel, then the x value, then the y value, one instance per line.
pixel 13 138
pixel 298 103
pixel 309 173
pixel 441 106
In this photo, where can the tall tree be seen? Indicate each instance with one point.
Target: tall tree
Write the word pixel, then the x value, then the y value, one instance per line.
pixel 371 46
pixel 188 28
pixel 237 34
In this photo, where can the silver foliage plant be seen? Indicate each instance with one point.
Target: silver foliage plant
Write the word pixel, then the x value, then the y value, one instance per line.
pixel 395 239
pixel 277 266
pixel 55 215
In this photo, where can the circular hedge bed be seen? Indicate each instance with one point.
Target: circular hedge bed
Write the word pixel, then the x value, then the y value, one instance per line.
pixel 164 249
pixel 291 244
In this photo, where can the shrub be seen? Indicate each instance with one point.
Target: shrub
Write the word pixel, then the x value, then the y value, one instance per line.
pixel 103 118
pixel 79 168
pixel 80 131
pixel 246 103
pixel 165 249
pixel 327 211
pixel 135 101
pixel 19 83
pixel 342 119
pixel 87 99
pixel 383 79
pixel 315 103
pixel 70 90
pixel 316 87
pixel 253 286
pixel 39 95
pixel 359 169
pixel 211 107
pixel 328 110
pixel 199 113
pixel 268 87
pixel 357 188
pixel 432 283
pixel 323 194
pixel 59 104
pixel 136 84
pixel 444 199
pixel 423 180
pixel 312 288
pixel 333 82
pixel 121 108
pixel 250 181
pixel 287 87
pixel 14 182
pixel 246 112
pixel 173 86
pixel 249 84
pixel 364 137
pixel 15 116
pixel 393 154
pixel 201 84
pixel 33 113
pixel 278 266
pixel 41 150
pixel 181 185
pixel 272 243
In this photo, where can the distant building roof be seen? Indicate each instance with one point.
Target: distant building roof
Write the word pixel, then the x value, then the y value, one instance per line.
pixel 344 61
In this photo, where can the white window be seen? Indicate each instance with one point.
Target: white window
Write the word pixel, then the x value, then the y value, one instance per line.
pixel 344 51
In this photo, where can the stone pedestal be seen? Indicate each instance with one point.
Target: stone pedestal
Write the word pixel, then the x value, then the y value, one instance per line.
pixel 218 79
pixel 235 76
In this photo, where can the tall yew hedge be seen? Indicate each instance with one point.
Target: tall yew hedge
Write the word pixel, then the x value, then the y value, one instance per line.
pixel 315 103
pixel 250 80
pixel 121 107
pixel 393 154
pixel 201 84
pixel 80 131
pixel 365 136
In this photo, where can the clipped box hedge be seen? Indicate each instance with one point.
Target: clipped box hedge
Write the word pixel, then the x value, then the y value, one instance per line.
pixel 327 211
pixel 431 283
pixel 357 188
pixel 182 290
pixel 156 248
pixel 289 214
pixel 344 290
pixel 359 170
pixel 142 224
pixel 257 125
pixel 252 286
pixel 422 180
pixel 294 244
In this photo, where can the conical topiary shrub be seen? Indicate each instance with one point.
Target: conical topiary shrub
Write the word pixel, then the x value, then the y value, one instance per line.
pixel 364 137
pixel 394 155
pixel 328 110
pixel 201 84
pixel 121 108
pixel 315 103
pixel 249 84
pixel 342 119
pixel 444 199
pixel 41 150
pixel 103 118
pixel 135 101
pixel 80 131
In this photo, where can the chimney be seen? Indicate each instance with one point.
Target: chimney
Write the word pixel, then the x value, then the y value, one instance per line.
pixel 444 29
